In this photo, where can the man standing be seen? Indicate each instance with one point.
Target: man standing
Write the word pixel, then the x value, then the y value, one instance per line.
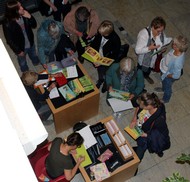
pixel 17 29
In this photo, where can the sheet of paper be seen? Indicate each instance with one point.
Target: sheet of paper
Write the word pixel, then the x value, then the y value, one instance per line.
pixel 119 105
pixel 54 93
pixel 72 72
pixel 88 136
pixel 41 82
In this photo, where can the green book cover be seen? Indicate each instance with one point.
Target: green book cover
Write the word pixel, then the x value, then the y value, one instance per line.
pixel 135 132
pixel 118 94
pixel 82 152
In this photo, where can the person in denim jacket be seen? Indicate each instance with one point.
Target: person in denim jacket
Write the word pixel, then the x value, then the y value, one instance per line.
pixel 172 64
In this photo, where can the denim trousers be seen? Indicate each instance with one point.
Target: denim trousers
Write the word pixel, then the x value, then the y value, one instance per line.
pixel 167 88
pixel 32 55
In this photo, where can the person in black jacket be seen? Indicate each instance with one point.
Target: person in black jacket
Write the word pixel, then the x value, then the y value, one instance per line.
pixel 108 44
pixel 150 116
pixel 29 78
pixel 18 33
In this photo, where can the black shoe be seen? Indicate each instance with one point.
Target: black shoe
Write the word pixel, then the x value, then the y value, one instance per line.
pixel 104 88
pixel 98 84
pixel 160 154
pixel 81 59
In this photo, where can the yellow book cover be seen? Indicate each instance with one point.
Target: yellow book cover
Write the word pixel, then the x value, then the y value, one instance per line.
pixel 82 152
pixel 93 56
pixel 134 132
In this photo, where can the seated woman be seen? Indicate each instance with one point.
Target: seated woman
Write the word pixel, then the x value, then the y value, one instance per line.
pixel 125 76
pixel 59 161
pixel 150 116
pixel 29 78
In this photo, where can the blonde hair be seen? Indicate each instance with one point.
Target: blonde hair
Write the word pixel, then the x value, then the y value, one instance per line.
pixel 181 43
pixel 106 27
pixel 127 65
pixel 29 78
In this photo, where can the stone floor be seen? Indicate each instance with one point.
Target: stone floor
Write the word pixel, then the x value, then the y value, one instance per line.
pixel 133 15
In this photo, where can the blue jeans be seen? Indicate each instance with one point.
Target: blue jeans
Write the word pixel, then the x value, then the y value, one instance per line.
pixel 32 55
pixel 167 88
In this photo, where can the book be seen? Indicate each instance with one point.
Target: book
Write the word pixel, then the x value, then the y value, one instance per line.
pixel 61 80
pixel 82 152
pixel 135 132
pixel 118 94
pixel 100 171
pixel 56 66
pixel 161 49
pixel 67 93
pixel 119 105
pixel 93 56
pixel 86 83
pixel 76 86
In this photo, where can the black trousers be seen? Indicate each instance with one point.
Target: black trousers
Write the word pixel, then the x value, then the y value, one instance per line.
pixel 145 73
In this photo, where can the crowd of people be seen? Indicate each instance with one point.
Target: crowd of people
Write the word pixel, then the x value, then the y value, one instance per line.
pixel 59 38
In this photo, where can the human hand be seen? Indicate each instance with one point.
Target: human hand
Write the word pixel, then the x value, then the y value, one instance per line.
pixel 71 52
pixel 144 135
pixel 152 46
pixel 26 14
pixel 111 89
pixel 79 34
pixel 131 96
pixel 54 8
pixel 133 123
pixel 44 66
pixel 163 50
pixel 53 85
pixel 96 65
pixel 57 75
pixel 21 54
pixel 80 159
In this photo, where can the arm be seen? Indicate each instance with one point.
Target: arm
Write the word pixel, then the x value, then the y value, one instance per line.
pixel 69 174
pixel 94 23
pixel 139 83
pixel 109 77
pixel 50 4
pixel 142 41
pixel 31 20
pixel 134 120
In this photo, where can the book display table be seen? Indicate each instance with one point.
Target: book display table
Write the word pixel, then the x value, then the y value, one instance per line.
pixel 122 152
pixel 66 114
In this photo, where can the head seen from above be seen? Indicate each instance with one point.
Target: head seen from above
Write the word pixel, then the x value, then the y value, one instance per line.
pixel 180 43
pixel 14 10
pixel 147 101
pixel 127 65
pixel 158 25
pixel 74 140
pixel 29 78
pixel 53 30
pixel 82 14
pixel 106 28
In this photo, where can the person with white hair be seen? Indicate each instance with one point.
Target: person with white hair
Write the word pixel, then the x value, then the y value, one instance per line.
pixel 126 77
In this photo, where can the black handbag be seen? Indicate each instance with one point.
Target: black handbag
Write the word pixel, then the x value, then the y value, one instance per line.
pixel 157 142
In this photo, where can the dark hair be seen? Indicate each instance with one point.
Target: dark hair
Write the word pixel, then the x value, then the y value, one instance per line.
pixel 74 139
pixel 149 99
pixel 82 13
pixel 158 22
pixel 12 10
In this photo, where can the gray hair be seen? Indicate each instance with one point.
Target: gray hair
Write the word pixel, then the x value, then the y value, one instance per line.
pixel 181 43
pixel 127 65
pixel 53 30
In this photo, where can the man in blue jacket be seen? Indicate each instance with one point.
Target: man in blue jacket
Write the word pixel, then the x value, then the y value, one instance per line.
pixel 52 41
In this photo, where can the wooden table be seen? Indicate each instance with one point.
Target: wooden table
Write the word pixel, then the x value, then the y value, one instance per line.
pixel 77 110
pixel 122 173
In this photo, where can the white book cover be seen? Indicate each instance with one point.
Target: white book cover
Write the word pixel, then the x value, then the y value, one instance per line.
pixel 119 105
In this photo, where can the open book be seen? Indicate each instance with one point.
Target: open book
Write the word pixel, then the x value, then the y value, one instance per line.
pixel 93 56
pixel 135 132
pixel 118 94
pixel 161 49
pixel 56 66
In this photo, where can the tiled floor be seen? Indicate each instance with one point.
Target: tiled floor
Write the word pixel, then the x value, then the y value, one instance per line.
pixel 133 15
